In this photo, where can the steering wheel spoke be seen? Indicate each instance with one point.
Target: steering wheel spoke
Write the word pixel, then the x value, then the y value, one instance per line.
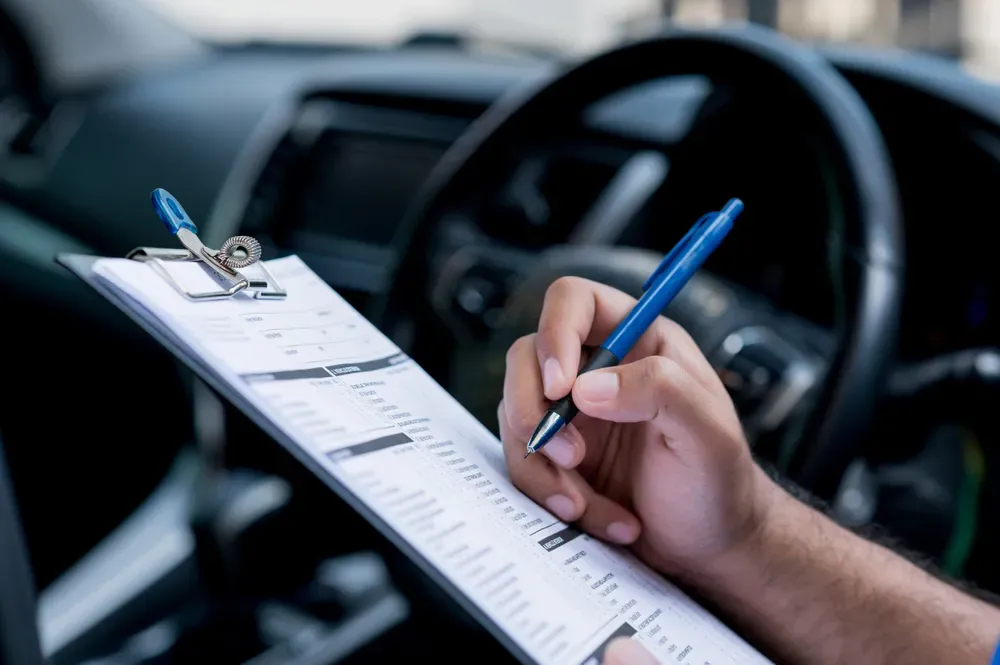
pixel 469 289
pixel 767 376
pixel 770 363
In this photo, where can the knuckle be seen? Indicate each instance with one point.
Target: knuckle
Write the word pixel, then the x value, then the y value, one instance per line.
pixel 566 289
pixel 673 334
pixel 563 286
pixel 671 329
pixel 516 350
pixel 663 373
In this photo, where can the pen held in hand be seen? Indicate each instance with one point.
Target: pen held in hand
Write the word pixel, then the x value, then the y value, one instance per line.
pixel 659 290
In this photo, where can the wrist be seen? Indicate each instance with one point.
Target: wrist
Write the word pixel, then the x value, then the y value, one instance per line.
pixel 766 537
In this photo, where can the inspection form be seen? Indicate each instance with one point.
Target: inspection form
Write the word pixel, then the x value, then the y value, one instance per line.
pixel 396 443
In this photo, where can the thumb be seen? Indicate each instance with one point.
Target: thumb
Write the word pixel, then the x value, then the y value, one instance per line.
pixel 655 390
pixel 626 651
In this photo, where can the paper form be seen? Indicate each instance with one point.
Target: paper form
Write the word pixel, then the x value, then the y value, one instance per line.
pixel 376 422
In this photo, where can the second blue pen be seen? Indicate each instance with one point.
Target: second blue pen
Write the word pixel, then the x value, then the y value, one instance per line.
pixel 660 288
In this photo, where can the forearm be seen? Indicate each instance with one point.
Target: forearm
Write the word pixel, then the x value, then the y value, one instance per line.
pixel 817 594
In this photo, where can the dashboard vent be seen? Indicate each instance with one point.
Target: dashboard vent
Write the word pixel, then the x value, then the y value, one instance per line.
pixel 31 139
pixel 269 192
pixel 467 110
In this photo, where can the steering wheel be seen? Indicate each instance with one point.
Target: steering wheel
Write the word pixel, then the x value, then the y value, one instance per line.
pixel 439 249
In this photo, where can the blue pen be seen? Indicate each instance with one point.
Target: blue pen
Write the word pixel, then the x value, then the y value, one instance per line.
pixel 662 286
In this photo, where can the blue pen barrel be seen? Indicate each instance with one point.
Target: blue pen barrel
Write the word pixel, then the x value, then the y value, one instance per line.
pixel 732 209
pixel 672 275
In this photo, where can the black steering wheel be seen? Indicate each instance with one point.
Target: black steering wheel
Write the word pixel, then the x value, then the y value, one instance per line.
pixel 438 247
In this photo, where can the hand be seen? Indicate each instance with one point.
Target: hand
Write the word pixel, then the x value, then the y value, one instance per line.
pixel 656 459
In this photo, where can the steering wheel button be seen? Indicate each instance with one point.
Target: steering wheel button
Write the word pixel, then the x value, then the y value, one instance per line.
pixel 760 377
pixel 471 299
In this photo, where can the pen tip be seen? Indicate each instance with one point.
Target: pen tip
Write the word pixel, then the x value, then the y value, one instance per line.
pixel 527 454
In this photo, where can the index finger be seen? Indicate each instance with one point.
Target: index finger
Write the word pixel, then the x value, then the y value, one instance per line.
pixel 525 406
pixel 579 312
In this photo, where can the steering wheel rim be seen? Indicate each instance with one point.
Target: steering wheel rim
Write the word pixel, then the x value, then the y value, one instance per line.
pixel 868 251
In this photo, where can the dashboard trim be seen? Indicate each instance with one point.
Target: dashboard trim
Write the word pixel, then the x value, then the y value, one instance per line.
pixel 630 189
pixel 306 123
pixel 230 206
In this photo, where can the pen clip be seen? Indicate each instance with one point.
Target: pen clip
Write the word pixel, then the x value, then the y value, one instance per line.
pixel 731 210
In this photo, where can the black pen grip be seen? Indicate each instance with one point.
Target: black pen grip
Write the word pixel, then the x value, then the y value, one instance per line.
pixel 601 359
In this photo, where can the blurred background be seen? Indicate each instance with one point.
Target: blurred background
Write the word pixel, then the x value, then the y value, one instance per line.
pixel 962 29
pixel 440 163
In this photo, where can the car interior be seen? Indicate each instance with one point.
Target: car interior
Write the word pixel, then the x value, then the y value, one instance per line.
pixel 440 188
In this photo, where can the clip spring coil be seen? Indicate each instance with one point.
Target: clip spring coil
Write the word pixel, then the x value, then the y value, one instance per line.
pixel 239 252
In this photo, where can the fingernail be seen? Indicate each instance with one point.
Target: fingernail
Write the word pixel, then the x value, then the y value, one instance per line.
pixel 622 533
pixel 560 450
pixel 626 651
pixel 597 386
pixel 552 376
pixel 562 507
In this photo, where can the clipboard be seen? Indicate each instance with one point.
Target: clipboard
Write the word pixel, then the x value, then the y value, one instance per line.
pixel 82 266
pixel 227 266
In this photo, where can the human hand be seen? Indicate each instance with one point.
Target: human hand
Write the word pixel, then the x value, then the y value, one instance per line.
pixel 656 459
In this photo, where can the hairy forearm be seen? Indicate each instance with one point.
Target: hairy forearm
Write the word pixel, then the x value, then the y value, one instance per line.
pixel 816 593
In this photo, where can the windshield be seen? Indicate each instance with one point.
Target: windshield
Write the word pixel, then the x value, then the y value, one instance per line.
pixel 554 25
pixel 962 30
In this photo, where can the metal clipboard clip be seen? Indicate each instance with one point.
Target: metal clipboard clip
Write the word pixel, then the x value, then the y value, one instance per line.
pixel 224 263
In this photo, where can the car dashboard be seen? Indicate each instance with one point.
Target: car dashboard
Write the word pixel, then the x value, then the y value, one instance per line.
pixel 321 153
